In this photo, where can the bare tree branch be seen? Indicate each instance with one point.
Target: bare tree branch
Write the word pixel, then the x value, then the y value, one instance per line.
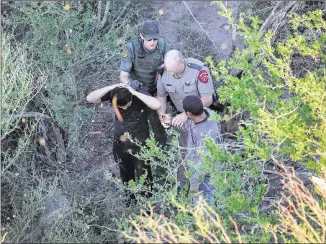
pixel 279 16
pixel 218 52
pixel 106 14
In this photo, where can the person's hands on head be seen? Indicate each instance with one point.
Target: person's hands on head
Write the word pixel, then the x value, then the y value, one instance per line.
pixel 132 91
pixel 135 84
pixel 121 85
pixel 179 120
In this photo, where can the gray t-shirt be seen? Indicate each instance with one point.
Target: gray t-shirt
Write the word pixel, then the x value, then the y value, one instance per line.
pixel 192 139
pixel 193 133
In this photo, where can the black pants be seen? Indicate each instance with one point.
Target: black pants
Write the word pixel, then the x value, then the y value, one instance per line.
pixel 131 167
pixel 158 130
pixel 155 123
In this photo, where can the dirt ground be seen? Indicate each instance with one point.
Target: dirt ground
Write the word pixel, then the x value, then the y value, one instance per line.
pixel 201 17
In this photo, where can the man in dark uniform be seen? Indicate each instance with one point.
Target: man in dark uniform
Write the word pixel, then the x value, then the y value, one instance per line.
pixel 141 60
pixel 132 109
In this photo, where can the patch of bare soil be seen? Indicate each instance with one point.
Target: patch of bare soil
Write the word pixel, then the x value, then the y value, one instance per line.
pixel 195 28
pixel 97 140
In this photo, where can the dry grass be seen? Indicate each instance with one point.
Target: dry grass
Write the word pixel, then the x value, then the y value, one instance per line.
pixel 158 229
pixel 302 215
pixel 302 218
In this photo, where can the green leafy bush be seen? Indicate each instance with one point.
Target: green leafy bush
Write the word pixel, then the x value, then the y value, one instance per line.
pixel 52 57
pixel 287 111
pixel 71 49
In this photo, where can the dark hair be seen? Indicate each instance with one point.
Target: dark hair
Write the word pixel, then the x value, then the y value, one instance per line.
pixel 124 96
pixel 193 104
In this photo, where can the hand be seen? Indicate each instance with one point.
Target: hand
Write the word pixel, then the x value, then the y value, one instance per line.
pixel 123 138
pixel 121 85
pixel 135 84
pixel 165 118
pixel 179 120
pixel 132 91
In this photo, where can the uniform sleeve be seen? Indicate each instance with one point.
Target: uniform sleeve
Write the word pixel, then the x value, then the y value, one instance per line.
pixel 161 92
pixel 205 82
pixel 126 54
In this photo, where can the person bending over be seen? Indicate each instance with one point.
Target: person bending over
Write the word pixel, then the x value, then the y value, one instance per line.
pixel 131 124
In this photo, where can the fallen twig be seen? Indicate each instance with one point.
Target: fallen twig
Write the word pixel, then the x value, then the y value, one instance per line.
pixel 218 52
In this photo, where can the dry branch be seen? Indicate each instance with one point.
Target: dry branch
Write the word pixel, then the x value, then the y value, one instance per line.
pixel 61 150
pixel 218 52
pixel 279 16
pixel 275 21
pixel 105 15
pixel 302 216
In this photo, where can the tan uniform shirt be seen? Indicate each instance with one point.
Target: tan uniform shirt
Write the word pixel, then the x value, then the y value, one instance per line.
pixel 195 80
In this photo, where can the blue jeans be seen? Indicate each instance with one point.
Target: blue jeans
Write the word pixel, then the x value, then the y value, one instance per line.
pixel 207 190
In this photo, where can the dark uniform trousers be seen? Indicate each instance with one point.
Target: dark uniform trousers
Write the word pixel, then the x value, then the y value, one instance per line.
pixel 155 123
pixel 158 130
pixel 159 135
pixel 132 167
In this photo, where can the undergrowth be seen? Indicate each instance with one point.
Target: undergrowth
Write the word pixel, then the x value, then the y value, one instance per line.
pixel 64 50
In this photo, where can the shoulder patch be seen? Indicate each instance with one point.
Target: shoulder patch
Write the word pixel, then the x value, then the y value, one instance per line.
pixel 124 52
pixel 194 66
pixel 203 76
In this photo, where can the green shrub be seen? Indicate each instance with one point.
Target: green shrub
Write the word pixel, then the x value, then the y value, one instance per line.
pixel 72 49
pixel 287 111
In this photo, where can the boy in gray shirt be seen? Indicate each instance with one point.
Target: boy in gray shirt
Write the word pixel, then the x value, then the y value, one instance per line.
pixel 193 132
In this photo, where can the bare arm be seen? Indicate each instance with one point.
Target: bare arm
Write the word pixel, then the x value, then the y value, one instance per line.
pixel 95 96
pixel 124 77
pixel 207 101
pixel 163 101
pixel 151 102
pixel 179 120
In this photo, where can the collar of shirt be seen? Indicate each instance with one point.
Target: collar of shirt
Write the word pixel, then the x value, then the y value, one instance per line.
pixel 207 115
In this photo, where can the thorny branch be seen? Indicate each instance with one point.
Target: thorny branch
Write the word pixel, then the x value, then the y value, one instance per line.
pixel 218 52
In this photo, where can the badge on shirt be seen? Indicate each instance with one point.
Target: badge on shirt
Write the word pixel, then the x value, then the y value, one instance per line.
pixel 124 52
pixel 203 76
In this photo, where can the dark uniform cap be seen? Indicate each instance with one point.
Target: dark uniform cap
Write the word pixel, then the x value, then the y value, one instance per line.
pixel 150 29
